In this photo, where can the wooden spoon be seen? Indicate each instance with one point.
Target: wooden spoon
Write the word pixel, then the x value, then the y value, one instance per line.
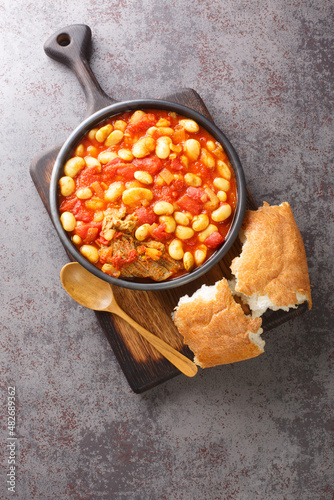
pixel 94 293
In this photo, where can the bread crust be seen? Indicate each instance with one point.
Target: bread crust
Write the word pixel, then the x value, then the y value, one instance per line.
pixel 273 259
pixel 217 330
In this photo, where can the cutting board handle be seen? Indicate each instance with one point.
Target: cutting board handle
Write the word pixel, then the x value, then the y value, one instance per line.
pixel 72 46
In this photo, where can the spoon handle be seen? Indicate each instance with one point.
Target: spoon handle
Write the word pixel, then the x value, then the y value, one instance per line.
pixel 185 365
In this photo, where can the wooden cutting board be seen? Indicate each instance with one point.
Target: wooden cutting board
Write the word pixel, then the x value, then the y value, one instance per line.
pixel 142 365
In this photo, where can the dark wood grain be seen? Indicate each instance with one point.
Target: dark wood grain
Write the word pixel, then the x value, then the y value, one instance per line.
pixel 142 365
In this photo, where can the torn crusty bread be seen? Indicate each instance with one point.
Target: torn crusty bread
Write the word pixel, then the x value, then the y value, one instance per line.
pixel 271 272
pixel 215 327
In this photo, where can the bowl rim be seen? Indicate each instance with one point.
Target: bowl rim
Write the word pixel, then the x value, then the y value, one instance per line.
pixel 120 107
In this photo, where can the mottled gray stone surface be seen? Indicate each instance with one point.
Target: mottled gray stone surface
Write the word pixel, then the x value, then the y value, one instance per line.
pixel 255 430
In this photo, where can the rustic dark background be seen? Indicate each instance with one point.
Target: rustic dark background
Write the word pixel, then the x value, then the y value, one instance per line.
pixel 260 429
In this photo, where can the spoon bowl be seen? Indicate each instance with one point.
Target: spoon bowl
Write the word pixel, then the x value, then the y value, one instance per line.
pixel 92 292
pixel 85 288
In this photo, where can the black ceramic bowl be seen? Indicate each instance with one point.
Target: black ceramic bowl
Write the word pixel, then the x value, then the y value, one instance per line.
pixel 116 109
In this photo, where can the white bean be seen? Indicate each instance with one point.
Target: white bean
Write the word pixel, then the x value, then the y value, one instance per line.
pixel 68 221
pixel 181 218
pixel 207 159
pixel 224 169
pixel 120 125
pixel 114 191
pixel 136 195
pixel 223 212
pixel 77 240
pixel 73 166
pixel 166 130
pixel 188 261
pixel 184 232
pixel 221 184
pixel 92 162
pixel 95 204
pixel 143 147
pixel 90 252
pixel 142 232
pixel 106 156
pixel 210 145
pixel 192 148
pixel 162 149
pixel 163 208
pixel 125 154
pixel 175 249
pixel 163 123
pixel 136 116
pixel 114 138
pixel 79 150
pixel 192 180
pixel 169 222
pixel 84 193
pixel 200 255
pixel 143 177
pixel 67 185
pixel 189 125
pixel 200 222
pixel 91 133
pixel 222 196
pixel 103 133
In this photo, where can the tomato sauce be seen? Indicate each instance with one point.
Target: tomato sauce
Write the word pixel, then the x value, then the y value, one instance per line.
pixel 153 185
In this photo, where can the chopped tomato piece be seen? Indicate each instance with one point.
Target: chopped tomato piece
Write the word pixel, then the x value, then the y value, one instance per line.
pixel 105 255
pixel 82 213
pixel 163 193
pixel 176 164
pixel 102 241
pixel 214 240
pixel 91 235
pixel 110 169
pixel 189 204
pixel 68 204
pixel 88 176
pixel 179 135
pixel 127 172
pixel 82 230
pixel 98 189
pixel 142 124
pixel 195 193
pixel 151 164
pixel 145 216
pixel 159 232
pixel 177 184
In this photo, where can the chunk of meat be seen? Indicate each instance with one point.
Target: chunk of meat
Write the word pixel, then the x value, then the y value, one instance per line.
pixel 116 218
pixel 121 253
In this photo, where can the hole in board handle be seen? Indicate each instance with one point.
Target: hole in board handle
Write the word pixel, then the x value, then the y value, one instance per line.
pixel 64 39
